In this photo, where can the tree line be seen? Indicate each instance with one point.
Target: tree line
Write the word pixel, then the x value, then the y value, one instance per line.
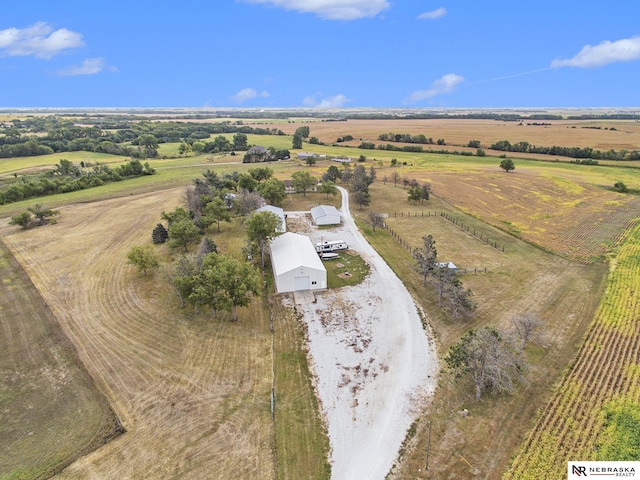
pixel 573 152
pixel 69 177
pixel 24 137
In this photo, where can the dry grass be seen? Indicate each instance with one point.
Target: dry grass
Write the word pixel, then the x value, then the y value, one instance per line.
pixel 191 391
pixel 50 411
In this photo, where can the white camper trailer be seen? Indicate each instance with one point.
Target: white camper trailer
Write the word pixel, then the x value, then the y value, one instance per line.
pixel 331 246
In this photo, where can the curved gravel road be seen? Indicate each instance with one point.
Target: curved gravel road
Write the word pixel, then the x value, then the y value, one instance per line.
pixel 374 366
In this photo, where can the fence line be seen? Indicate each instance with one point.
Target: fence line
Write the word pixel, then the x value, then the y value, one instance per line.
pixel 466 228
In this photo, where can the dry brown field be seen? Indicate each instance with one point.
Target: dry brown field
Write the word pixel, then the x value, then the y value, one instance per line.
pixel 458 132
pixel 187 411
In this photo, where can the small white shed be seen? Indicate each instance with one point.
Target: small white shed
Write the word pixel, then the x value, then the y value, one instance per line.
pixel 279 212
pixel 326 215
pixel 296 264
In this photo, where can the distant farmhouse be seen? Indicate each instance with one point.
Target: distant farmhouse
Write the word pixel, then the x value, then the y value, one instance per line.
pixel 256 154
pixel 326 215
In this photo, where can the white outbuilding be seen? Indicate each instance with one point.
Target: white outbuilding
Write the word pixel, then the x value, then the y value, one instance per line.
pixel 296 264
pixel 326 215
pixel 280 213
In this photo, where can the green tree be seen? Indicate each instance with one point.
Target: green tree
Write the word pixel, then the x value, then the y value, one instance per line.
pixel 42 215
pixel 261 228
pixel 507 165
pixel 149 143
pixel 362 198
pixel 303 131
pixel 296 141
pixel 216 211
pixel 182 233
pixel 24 219
pixel 332 174
pixel 183 275
pixel 238 281
pixel 184 149
pixel 240 142
pixel 260 174
pixel 303 181
pixel 144 257
pixel 310 161
pixel 273 191
pixel 620 187
pixel 415 194
pixel 159 234
pixel 207 288
pixel 328 188
pixel 487 358
pixel 247 182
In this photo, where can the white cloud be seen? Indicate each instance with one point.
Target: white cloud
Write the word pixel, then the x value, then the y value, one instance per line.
pixel 90 66
pixel 625 50
pixel 432 15
pixel 248 94
pixel 337 101
pixel 39 40
pixel 444 84
pixel 331 9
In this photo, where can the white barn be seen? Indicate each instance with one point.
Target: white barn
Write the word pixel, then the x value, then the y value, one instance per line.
pixel 296 264
pixel 280 213
pixel 326 215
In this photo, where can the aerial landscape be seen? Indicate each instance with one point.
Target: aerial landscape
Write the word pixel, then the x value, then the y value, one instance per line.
pixel 276 239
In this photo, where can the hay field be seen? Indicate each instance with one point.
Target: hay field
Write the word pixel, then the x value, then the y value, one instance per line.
pixel 188 411
pixel 458 132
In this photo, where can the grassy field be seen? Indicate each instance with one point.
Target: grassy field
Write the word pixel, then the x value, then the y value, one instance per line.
pixel 193 392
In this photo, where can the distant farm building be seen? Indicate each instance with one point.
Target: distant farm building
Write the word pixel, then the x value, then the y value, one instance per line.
pixel 279 212
pixel 449 265
pixel 305 155
pixel 256 154
pixel 326 215
pixel 296 264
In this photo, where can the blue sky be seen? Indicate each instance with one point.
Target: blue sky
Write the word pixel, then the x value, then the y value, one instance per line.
pixel 320 54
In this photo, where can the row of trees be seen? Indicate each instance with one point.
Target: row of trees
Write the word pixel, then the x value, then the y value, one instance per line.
pixel 573 152
pixel 408 138
pixel 69 177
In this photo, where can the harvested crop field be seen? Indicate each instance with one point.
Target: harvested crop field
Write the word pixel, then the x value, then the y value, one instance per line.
pixel 187 411
pixel 568 216
pixel 600 135
pixel 39 438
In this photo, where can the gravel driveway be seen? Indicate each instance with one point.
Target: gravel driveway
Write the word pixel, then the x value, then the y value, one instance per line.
pixel 374 365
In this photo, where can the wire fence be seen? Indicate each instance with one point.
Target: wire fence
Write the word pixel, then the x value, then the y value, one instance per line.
pixel 450 218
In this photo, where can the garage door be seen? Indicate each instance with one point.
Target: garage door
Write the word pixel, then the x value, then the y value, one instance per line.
pixel 302 283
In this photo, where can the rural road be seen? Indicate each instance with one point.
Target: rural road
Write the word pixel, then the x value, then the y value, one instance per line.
pixel 375 367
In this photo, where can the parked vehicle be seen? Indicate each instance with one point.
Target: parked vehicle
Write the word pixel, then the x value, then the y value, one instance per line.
pixel 331 246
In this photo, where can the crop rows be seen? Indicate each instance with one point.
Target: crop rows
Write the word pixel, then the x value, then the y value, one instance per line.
pixel 606 369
